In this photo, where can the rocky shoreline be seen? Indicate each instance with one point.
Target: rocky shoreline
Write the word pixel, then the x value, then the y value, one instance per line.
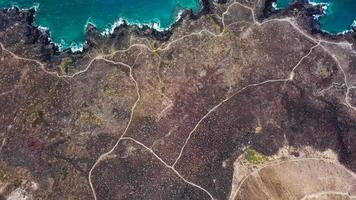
pixel 144 31
pixel 268 11
pixel 313 24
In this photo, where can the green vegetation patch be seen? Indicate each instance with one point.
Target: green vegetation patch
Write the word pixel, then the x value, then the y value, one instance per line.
pixel 7 176
pixel 254 157
pixel 65 63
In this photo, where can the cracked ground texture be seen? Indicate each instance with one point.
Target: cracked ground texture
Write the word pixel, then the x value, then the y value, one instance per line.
pixel 201 115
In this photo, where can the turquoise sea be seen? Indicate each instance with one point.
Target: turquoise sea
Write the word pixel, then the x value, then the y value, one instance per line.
pixel 67 19
pixel 339 15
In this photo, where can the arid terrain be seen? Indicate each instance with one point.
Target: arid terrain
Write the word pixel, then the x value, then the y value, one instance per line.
pixel 236 103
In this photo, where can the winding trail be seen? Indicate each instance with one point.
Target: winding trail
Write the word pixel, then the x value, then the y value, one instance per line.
pixel 122 137
pixel 168 166
pixel 289 78
pixel 318 43
pixel 104 155
pixel 90 63
pixel 165 47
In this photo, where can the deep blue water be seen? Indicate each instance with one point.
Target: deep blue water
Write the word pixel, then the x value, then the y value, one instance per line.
pixel 67 19
pixel 339 16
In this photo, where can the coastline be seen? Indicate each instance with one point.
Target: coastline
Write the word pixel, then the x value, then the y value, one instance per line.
pixel 160 34
pixel 72 109
pixel 155 27
pixel 323 7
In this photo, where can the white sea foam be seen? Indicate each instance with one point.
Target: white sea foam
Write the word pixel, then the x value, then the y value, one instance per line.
pixel 325 7
pixel 110 30
pixel 154 24
pixel 43 28
pixel 75 47
pixel 36 6
pixel 274 5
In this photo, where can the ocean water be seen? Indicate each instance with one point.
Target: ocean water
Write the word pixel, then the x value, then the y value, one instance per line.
pixel 67 19
pixel 339 16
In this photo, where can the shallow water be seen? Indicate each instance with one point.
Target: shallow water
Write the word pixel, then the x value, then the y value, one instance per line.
pixel 67 19
pixel 339 17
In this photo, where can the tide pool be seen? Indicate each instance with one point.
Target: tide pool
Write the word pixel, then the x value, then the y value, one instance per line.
pixel 67 19
pixel 339 16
